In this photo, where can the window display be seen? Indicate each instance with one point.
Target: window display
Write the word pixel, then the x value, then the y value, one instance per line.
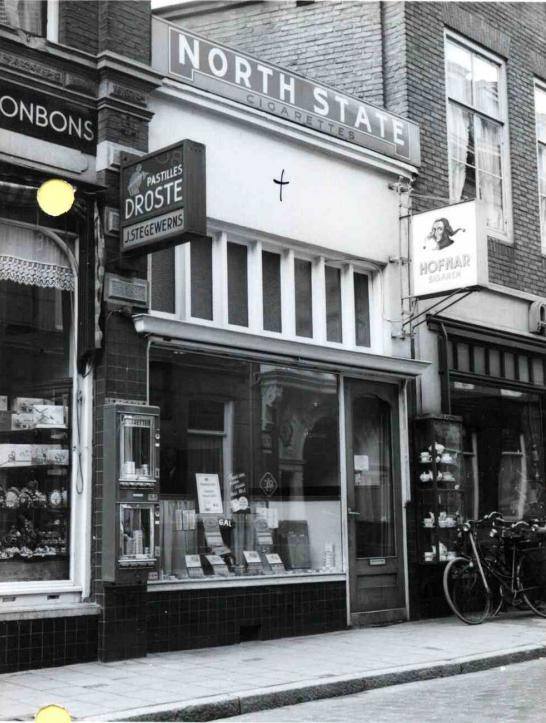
pixel 249 480
pixel 504 456
pixel 36 306
pixel 439 486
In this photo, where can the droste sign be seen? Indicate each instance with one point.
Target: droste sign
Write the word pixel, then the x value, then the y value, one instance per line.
pixel 163 198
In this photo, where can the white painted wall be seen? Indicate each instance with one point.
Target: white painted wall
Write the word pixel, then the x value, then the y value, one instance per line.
pixel 331 202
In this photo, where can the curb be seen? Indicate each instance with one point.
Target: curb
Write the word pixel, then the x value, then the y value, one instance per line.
pixel 226 706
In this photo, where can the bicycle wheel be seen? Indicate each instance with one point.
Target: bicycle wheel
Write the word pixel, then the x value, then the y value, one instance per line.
pixel 465 591
pixel 531 578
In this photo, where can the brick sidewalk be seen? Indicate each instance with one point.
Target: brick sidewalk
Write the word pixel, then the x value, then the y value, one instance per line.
pixel 217 682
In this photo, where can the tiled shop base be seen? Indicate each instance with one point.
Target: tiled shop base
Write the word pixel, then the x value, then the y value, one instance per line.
pixel 135 622
pixel 180 620
pixel 26 644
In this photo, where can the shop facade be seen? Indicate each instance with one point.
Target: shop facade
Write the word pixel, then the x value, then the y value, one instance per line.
pixel 281 392
pixel 473 77
pixel 52 334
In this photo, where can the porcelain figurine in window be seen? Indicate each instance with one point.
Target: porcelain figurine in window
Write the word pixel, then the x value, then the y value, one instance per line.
pixel 441 235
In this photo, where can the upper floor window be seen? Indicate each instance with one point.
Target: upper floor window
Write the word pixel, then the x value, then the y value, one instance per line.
pixel 28 15
pixel 540 110
pixel 253 286
pixel 477 131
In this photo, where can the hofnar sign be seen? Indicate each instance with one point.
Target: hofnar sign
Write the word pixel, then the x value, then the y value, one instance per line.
pixel 163 198
pixel 40 115
pixel 449 250
pixel 265 87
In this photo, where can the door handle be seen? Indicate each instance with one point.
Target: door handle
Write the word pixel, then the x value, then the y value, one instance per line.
pixel 353 513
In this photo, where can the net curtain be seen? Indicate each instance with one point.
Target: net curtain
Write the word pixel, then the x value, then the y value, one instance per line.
pixel 29 257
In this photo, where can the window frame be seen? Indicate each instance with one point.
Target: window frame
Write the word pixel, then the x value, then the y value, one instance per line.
pixel 256 244
pixel 539 85
pixel 502 121
pixel 75 587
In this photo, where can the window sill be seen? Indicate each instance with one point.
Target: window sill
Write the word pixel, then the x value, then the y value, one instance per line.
pixel 50 610
pixel 504 240
pixel 259 580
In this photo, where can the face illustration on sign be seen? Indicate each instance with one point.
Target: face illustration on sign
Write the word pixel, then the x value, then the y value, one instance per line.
pixel 449 249
pixel 441 235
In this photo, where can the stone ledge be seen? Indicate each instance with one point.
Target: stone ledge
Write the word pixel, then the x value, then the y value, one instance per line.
pixel 39 612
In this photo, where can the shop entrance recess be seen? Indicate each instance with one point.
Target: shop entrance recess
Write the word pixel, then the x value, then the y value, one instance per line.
pixel 374 502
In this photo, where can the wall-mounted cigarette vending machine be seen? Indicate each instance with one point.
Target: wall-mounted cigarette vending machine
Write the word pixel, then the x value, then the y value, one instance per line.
pixel 130 548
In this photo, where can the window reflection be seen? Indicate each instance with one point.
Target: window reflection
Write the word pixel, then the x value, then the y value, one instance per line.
pixel 249 468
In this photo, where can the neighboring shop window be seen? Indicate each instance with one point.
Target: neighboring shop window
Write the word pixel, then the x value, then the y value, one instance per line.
pixel 241 283
pixel 36 381
pixel 503 450
pixel 29 15
pixel 477 134
pixel 540 110
pixel 249 468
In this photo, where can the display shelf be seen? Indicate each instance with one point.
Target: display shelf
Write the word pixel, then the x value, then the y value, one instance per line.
pixel 439 501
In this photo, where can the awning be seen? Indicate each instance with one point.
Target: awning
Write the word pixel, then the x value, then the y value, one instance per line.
pixel 205 338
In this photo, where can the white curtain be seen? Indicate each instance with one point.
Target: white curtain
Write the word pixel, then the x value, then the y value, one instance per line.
pixel 459 134
pixel 488 160
pixel 24 14
pixel 29 257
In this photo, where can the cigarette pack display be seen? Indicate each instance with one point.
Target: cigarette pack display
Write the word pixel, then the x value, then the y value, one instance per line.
pixel 26 404
pixel 23 420
pixel 57 456
pixel 48 416
pixel 15 455
pixel 3 403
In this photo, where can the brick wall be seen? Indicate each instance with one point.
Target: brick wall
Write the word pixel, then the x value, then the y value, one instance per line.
pixel 515 32
pixel 78 24
pixel 124 28
pixel 393 53
pixel 337 43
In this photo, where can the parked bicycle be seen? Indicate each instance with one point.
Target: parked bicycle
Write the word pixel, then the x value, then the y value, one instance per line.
pixel 507 565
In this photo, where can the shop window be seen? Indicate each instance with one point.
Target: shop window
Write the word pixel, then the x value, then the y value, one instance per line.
pixel 303 288
pixel 28 15
pixel 201 278
pixel 540 111
pixel 503 450
pixel 477 133
pixel 271 291
pixel 36 382
pixel 237 284
pixel 250 470
pixel 332 281
pixel 362 310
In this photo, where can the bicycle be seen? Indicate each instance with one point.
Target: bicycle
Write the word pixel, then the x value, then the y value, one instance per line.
pixel 514 570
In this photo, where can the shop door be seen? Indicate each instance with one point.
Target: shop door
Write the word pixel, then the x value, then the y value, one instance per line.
pixel 374 502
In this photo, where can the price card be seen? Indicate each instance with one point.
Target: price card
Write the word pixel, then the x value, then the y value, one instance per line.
pixel 275 563
pixel 193 565
pixel 219 567
pixel 208 493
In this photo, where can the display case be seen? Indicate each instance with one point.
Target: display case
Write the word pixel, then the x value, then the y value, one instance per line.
pixel 130 552
pixel 35 485
pixel 438 471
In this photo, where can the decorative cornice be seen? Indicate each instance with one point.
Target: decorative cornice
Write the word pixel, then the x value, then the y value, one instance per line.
pixel 110 64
